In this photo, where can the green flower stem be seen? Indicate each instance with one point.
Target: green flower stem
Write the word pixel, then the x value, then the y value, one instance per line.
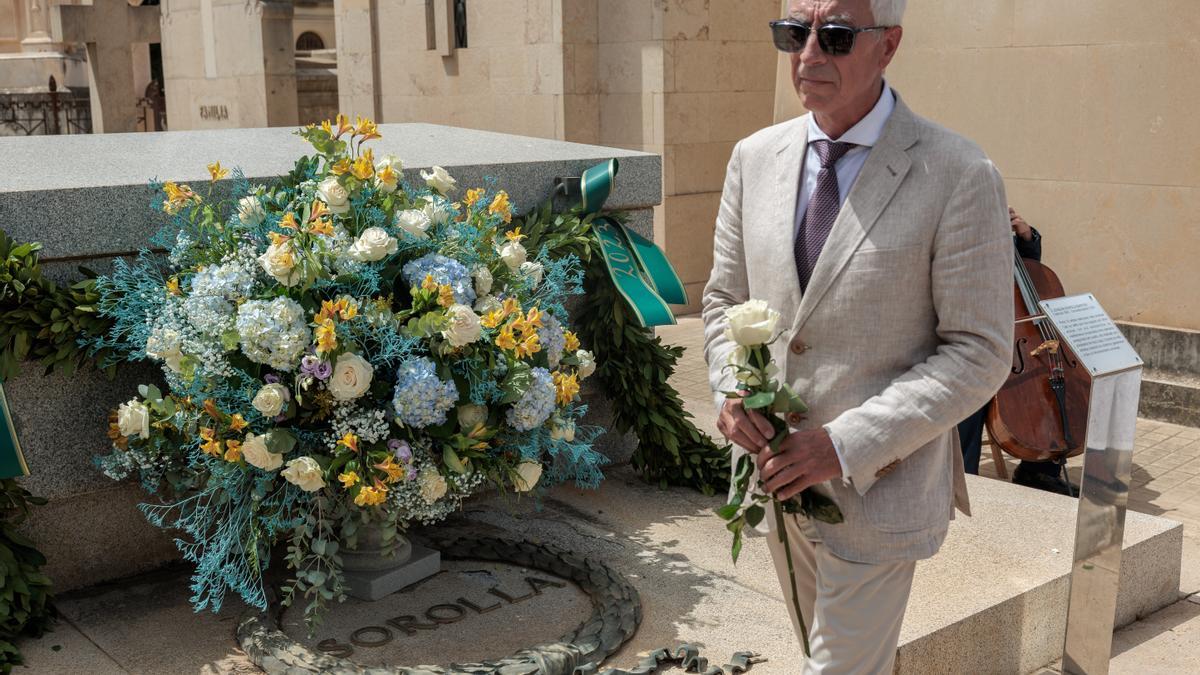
pixel 787 550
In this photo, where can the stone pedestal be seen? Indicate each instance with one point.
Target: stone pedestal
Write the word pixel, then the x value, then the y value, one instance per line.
pixel 371 575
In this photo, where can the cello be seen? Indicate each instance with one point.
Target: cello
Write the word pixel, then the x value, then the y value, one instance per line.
pixel 1040 414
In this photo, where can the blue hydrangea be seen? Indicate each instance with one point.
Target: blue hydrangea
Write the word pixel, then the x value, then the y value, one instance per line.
pixel 445 271
pixel 274 332
pixel 552 339
pixel 422 399
pixel 536 405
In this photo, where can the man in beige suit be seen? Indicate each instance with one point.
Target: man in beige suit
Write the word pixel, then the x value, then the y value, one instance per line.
pixel 884 242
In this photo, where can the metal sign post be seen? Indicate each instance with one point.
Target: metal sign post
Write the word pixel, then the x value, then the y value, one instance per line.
pixel 1116 372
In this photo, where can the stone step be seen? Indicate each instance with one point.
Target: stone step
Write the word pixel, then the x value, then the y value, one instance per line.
pixel 1170 396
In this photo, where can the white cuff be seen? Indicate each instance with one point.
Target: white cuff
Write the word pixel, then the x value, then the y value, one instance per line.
pixel 837 450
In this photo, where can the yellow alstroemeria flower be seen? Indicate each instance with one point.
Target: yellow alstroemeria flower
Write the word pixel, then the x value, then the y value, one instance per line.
pixel 289 221
pixel 321 227
pixel 178 196
pixel 348 308
pixel 237 422
pixel 394 471
pixel 327 127
pixel 493 318
pixel 217 171
pixel 445 295
pixel 534 317
pixel 511 306
pixel 207 433
pixel 233 450
pixel 326 336
pixel 515 233
pixel 529 346
pixel 473 196
pixel 572 341
pixel 363 167
pixel 501 207
pixel 173 286
pixel 505 340
pixel 211 408
pixel 566 388
pixel 341 167
pixel 366 129
pixel 349 479
pixel 428 284
pixel 344 125
pixel 212 447
pixel 371 496
pixel 350 441
pixel 388 175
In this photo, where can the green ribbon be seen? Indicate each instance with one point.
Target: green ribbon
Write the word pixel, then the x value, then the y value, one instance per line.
pixel 12 460
pixel 639 269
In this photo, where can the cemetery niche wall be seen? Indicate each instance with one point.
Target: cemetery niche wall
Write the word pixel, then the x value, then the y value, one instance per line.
pixel 92 530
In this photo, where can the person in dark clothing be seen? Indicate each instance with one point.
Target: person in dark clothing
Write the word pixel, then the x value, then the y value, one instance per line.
pixel 1041 475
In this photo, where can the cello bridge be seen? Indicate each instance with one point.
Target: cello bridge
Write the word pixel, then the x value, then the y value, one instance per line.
pixel 1047 346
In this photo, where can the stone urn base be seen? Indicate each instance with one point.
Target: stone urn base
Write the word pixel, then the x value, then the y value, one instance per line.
pixel 371 575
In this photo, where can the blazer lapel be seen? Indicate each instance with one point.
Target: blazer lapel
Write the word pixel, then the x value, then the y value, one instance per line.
pixel 781 234
pixel 881 175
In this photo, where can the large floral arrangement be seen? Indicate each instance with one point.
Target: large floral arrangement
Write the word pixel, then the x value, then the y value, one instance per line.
pixel 341 349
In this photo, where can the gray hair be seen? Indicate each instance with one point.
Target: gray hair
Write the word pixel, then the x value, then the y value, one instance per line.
pixel 888 12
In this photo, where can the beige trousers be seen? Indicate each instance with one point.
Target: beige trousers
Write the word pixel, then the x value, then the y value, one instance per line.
pixel 853 610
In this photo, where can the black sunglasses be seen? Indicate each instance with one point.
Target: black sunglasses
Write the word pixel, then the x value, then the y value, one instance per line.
pixel 834 39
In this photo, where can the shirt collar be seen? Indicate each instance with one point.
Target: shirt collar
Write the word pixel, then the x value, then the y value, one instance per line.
pixel 868 130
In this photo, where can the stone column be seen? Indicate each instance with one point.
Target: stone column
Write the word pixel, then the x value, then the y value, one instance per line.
pixel 357 58
pixel 37 27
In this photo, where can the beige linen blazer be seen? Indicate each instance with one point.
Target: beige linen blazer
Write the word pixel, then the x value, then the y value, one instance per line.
pixel 906 326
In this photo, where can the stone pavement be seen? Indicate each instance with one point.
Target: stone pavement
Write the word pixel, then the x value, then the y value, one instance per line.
pixel 666 542
pixel 1166 479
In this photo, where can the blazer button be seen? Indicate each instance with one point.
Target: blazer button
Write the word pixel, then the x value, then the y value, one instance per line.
pixel 887 469
pixel 798 347
pixel 795 418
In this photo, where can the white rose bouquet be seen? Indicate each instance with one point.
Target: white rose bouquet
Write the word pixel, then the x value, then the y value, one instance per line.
pixel 752 328
pixel 341 349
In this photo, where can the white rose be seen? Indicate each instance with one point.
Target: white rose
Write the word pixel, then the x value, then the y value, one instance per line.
pixel 433 485
pixel 513 254
pixel 250 211
pixel 483 281
pixel 270 399
pixel 304 473
pixel 464 326
pixel 396 166
pixel 255 452
pixel 487 303
pixel 279 261
pixel 740 356
pixel 751 323
pixel 587 363
pixel 435 209
pixel 334 195
pixel 133 418
pixel 563 430
pixel 164 346
pixel 414 222
pixel 351 377
pixel 534 271
pixel 439 180
pixel 373 244
pixel 529 473
pixel 471 415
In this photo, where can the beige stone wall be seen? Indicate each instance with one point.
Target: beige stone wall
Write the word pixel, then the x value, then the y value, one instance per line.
pixel 11 32
pixel 1088 107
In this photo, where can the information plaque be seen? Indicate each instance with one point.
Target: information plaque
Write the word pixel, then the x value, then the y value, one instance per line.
pixel 1091 334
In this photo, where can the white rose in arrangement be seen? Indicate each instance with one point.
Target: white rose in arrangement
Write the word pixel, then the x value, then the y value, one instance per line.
pixel 250 211
pixel 439 180
pixel 163 345
pixel 433 486
pixel 133 419
pixel 751 323
pixel 483 281
pixel 271 399
pixel 351 377
pixel 587 363
pixel 279 261
pixel 464 326
pixel 529 473
pixel 334 195
pixel 534 272
pixel 513 254
pixel 563 430
pixel 414 222
pixel 487 303
pixel 373 244
pixel 386 180
pixel 471 415
pixel 435 209
pixel 255 452
pixel 304 473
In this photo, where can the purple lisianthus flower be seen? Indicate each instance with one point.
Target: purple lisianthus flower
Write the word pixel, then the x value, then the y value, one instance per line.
pixel 271 378
pixel 401 449
pixel 313 366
